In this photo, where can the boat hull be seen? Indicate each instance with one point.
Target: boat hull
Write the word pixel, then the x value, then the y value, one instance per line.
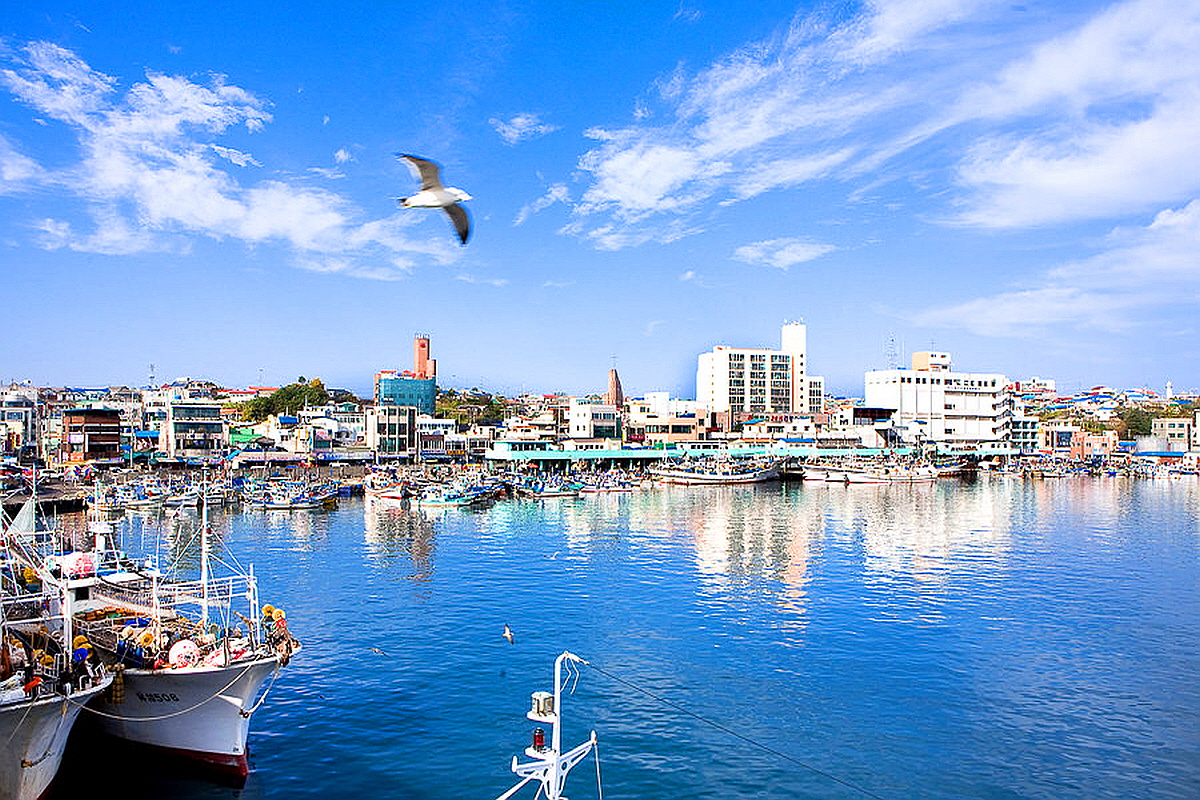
pixel 198 712
pixel 35 734
pixel 684 478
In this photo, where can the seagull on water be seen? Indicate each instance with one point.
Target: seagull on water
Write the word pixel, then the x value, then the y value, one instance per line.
pixel 507 633
pixel 434 195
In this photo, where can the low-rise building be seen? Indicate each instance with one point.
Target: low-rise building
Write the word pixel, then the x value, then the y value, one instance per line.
pixel 1177 431
pixel 194 429
pixel 391 431
pixel 934 403
pixel 90 434
pixel 593 420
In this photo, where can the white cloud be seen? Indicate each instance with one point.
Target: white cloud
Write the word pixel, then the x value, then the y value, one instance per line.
pixel 521 127
pixel 688 275
pixel 484 281
pixel 1104 120
pixel 774 114
pixel 1151 269
pixel 1038 128
pixel 781 253
pixel 555 194
pixel 342 156
pixel 234 156
pixel 149 180
pixel 16 169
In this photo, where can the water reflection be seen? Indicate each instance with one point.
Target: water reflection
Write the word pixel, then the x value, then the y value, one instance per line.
pixel 395 531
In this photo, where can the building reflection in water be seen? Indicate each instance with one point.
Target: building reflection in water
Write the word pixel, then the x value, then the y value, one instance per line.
pixel 926 533
pixel 398 534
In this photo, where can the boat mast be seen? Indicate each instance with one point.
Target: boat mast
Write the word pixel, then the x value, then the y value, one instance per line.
pixel 204 546
pixel 550 765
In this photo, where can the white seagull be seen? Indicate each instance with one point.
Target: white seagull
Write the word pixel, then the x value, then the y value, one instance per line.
pixel 434 195
pixel 508 634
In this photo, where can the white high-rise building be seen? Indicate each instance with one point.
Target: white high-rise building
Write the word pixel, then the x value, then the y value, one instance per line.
pixel 934 403
pixel 759 380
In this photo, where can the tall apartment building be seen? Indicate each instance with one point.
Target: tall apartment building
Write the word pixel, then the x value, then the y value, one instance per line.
pixel 759 380
pixel 934 403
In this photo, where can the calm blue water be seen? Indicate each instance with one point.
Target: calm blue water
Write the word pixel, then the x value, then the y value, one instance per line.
pixel 998 639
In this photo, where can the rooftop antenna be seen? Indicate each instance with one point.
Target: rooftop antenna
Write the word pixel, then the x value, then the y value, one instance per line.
pixel 151 375
pixel 891 353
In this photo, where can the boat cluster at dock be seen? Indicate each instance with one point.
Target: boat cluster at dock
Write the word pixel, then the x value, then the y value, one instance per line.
pixel 154 655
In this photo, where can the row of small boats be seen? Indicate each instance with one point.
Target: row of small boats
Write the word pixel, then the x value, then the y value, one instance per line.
pixel 151 495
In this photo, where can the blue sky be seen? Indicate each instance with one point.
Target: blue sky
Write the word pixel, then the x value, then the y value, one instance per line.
pixel 210 188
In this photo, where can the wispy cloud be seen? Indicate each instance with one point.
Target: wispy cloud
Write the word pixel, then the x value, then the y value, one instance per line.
pixel 234 156
pixel 781 253
pixel 1146 270
pixel 1030 130
pixel 342 156
pixel 555 194
pixel 483 281
pixel 16 169
pixel 521 127
pixel 150 175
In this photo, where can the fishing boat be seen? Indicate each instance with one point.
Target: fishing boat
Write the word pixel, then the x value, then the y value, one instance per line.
pixel 45 680
pixel 605 484
pixel 190 668
pixel 716 472
pixel 542 487
pixel 444 496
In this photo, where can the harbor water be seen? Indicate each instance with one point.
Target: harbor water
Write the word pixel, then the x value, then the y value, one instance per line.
pixel 999 638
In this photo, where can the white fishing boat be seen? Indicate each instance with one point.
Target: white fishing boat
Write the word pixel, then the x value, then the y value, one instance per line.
pixel 43 684
pixel 814 474
pixel 716 472
pixel 541 487
pixel 449 496
pixel 190 668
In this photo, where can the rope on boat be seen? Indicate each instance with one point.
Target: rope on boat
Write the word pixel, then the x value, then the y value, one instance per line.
pixel 734 733
pixel 274 675
pixel 105 714
pixel 49 744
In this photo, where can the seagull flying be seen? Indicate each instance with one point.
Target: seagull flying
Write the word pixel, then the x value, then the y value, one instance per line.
pixel 507 633
pixel 434 195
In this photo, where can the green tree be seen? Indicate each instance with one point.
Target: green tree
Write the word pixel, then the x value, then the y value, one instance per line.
pixel 287 400
pixel 1136 421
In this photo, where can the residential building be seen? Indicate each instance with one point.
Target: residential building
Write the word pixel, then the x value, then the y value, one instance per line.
pixel 760 380
pixel 592 420
pixel 18 417
pixel 657 419
pixel 194 429
pixel 1177 431
pixel 433 435
pixel 1023 433
pixel 391 431
pixel 934 403
pixel 89 434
